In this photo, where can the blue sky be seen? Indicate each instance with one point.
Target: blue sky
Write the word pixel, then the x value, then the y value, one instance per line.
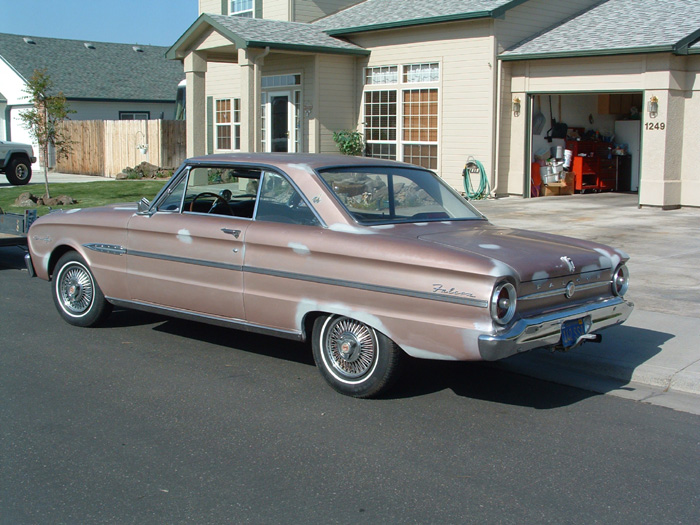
pixel 147 22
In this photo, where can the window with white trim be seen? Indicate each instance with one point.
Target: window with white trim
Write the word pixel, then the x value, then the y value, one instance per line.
pixel 227 121
pixel 242 8
pixel 405 129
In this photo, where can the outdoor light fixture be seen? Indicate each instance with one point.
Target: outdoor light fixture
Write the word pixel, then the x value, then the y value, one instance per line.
pixel 516 106
pixel 653 107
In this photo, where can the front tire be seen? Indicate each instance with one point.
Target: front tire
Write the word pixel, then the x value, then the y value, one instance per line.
pixel 76 294
pixel 19 171
pixel 353 357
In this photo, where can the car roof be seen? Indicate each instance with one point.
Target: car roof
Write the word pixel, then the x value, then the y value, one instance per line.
pixel 314 161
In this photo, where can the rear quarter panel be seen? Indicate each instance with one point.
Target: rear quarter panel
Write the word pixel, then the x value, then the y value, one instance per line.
pixel 429 300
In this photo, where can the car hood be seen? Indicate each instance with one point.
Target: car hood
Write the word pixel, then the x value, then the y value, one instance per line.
pixel 532 255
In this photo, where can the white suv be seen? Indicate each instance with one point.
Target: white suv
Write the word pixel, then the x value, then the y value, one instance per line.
pixel 16 162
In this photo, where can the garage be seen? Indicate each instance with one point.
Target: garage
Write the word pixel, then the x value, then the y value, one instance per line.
pixel 584 143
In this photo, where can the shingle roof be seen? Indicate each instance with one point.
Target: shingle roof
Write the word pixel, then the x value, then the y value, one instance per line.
pixel 383 14
pixel 107 72
pixel 617 27
pixel 260 32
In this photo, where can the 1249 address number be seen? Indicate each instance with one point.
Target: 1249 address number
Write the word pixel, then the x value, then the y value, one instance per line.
pixel 655 126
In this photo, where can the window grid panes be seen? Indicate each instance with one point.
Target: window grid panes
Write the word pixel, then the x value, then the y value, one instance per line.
pixel 263 120
pixel 280 81
pixel 228 124
pixel 408 130
pixel 416 73
pixel 242 8
pixel 381 75
pixel 380 115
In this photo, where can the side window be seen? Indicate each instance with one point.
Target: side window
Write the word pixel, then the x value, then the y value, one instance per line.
pixel 222 190
pixel 174 200
pixel 280 202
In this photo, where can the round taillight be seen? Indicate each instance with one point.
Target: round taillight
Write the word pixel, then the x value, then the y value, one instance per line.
pixel 621 280
pixel 503 301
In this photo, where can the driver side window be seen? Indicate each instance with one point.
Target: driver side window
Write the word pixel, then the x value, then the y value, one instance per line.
pixel 221 191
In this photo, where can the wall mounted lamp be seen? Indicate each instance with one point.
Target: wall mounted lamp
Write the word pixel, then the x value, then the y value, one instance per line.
pixel 516 107
pixel 653 107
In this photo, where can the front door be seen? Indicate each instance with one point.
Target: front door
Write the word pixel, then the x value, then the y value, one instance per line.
pixel 281 119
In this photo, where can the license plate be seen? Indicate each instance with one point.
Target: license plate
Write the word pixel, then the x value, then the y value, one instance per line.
pixel 571 331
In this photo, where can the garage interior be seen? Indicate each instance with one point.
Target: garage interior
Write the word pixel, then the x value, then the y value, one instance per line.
pixel 584 143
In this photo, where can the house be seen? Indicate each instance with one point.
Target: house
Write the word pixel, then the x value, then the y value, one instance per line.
pixel 101 81
pixel 437 83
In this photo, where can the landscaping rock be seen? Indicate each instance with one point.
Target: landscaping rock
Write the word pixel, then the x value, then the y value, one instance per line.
pixel 26 200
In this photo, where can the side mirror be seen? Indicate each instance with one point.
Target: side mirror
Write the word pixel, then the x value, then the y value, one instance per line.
pixel 144 205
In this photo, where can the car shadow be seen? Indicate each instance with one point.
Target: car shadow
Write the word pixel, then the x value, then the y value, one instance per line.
pixel 569 379
pixel 12 257
pixel 289 350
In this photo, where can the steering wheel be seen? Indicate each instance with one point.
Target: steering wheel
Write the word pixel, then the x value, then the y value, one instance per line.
pixel 217 199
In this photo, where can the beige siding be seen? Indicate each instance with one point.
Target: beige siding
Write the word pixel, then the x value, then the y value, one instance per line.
pixel 337 98
pixel 532 17
pixel 465 51
pixel 210 6
pixel 276 9
pixel 310 10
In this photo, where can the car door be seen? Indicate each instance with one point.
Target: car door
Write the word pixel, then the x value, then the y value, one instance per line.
pixel 187 252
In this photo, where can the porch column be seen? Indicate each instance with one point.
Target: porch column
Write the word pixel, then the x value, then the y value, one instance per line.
pixel 195 103
pixel 250 100
pixel 662 154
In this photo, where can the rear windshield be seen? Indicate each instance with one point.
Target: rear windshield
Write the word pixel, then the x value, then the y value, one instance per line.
pixel 384 195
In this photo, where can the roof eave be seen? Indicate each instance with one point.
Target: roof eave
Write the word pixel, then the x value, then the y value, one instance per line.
pixel 309 49
pixel 591 53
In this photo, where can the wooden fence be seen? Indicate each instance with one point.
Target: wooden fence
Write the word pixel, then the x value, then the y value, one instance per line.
pixel 106 147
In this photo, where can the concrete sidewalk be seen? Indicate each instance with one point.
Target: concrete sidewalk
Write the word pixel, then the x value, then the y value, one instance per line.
pixel 38 178
pixel 655 355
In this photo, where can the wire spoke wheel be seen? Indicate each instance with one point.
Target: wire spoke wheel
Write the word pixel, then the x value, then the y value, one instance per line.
pixel 354 358
pixel 351 347
pixel 76 289
pixel 76 293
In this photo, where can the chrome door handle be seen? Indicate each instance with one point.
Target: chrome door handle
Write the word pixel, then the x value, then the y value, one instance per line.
pixel 229 231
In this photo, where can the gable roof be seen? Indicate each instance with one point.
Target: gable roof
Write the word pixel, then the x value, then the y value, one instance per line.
pixel 261 32
pixel 104 71
pixel 615 27
pixel 372 15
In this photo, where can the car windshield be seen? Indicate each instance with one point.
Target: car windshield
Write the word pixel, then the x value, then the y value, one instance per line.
pixel 383 195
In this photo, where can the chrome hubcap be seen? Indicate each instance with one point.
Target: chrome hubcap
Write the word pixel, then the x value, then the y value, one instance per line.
pixel 76 290
pixel 21 172
pixel 351 347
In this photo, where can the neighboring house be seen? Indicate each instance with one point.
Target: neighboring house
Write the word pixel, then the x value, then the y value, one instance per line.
pixel 101 81
pixel 435 83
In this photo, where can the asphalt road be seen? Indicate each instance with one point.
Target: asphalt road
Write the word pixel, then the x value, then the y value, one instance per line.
pixel 151 420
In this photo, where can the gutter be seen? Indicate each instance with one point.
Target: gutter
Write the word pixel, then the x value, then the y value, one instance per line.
pixel 589 53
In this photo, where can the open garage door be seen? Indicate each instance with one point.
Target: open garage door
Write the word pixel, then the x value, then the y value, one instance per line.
pixel 584 143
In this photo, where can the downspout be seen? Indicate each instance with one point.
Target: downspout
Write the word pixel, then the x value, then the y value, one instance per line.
pixel 497 127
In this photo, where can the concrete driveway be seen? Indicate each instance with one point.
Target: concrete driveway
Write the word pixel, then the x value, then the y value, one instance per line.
pixel 655 356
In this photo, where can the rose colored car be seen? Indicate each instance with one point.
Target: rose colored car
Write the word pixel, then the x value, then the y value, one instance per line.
pixel 368 259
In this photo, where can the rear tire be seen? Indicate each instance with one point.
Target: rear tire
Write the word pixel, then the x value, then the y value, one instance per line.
pixel 76 294
pixel 353 357
pixel 19 171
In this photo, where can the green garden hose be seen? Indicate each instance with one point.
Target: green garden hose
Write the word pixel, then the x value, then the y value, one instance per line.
pixel 471 167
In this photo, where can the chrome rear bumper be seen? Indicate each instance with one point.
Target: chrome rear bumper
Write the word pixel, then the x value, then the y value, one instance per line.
pixel 545 330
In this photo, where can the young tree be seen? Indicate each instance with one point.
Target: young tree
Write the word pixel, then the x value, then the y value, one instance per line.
pixel 44 120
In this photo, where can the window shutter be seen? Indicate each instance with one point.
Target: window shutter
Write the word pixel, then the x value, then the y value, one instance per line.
pixel 224 7
pixel 210 125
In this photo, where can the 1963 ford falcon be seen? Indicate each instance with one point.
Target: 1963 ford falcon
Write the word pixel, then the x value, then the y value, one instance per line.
pixel 367 259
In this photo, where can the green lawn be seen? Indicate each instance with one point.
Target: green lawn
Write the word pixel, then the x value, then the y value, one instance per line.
pixel 88 194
